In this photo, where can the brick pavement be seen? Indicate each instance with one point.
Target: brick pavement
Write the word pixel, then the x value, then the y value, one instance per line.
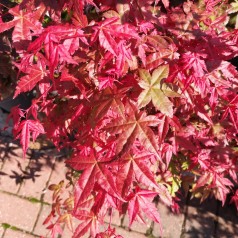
pixel 24 202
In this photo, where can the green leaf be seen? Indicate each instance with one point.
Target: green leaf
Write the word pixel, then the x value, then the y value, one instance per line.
pixel 158 74
pixel 156 90
pixel 234 7
pixel 176 184
pixel 8 226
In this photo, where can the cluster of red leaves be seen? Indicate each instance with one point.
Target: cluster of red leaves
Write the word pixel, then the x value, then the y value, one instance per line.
pixel 141 92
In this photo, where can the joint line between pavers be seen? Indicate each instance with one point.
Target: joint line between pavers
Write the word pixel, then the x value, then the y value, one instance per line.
pixel 150 230
pixel 14 228
pixel 37 218
pixel 122 220
pixel 24 197
pixel 48 181
pixel 3 233
pixel 42 197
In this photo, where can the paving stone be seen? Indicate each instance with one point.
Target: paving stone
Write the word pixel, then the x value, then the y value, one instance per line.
pixel 114 218
pixel 227 222
pixel 13 171
pixel 8 148
pixel 171 223
pixel 18 212
pixel 36 176
pixel 58 174
pixel 40 229
pixel 128 234
pixel 136 226
pixel 201 219
pixel 16 234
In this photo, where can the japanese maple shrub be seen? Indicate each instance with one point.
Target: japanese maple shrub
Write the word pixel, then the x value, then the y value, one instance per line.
pixel 140 92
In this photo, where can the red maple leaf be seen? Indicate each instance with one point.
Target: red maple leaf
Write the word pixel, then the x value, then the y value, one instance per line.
pixel 134 126
pixel 94 171
pixel 55 230
pixel 108 31
pixel 90 222
pixel 109 98
pixel 16 115
pixel 136 165
pixel 24 22
pixel 55 51
pixel 27 128
pixel 196 62
pixel 109 233
pixel 26 83
pixel 143 96
pixel 232 111
pixel 141 201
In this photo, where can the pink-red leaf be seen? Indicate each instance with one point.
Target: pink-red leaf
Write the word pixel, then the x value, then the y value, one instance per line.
pixel 24 22
pixel 26 83
pixel 135 126
pixel 26 129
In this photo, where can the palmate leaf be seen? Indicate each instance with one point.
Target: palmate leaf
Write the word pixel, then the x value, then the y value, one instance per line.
pixel 105 39
pixel 55 230
pixel 141 200
pixel 231 110
pixel 109 30
pixel 135 165
pixel 135 126
pixel 156 91
pixel 109 98
pixel 28 82
pixel 24 23
pixel 87 93
pixel 54 40
pixel 26 129
pixel 89 222
pixel 234 7
pixel 93 171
